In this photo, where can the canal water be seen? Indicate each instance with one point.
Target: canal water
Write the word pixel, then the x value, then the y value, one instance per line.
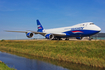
pixel 27 62
pixel 21 63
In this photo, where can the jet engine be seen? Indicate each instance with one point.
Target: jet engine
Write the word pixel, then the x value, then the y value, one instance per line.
pixel 79 38
pixel 29 34
pixel 49 36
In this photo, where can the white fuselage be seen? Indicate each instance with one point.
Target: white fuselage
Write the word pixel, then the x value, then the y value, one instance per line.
pixel 86 26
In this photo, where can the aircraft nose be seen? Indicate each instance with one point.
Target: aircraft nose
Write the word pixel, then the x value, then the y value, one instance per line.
pixel 98 28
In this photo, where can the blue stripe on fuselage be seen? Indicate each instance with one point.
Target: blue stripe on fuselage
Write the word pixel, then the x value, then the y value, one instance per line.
pixel 84 33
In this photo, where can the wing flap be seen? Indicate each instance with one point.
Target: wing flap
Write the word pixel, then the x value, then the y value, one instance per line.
pixel 55 34
pixel 38 33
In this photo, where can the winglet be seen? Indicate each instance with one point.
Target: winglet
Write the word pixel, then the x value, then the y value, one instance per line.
pixel 39 26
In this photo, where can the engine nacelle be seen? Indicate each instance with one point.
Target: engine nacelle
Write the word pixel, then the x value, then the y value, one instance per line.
pixel 79 38
pixel 49 36
pixel 29 34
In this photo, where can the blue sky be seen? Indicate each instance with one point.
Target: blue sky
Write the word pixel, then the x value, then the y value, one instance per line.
pixel 22 14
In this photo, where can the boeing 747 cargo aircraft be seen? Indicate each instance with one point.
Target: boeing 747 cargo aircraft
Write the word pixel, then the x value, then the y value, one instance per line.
pixel 78 31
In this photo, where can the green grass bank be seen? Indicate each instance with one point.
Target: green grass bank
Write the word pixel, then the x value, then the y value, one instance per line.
pixel 4 66
pixel 91 53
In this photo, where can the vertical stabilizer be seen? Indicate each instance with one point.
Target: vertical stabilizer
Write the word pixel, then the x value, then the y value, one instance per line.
pixel 40 28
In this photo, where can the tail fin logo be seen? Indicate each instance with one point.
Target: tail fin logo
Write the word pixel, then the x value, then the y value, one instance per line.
pixel 39 27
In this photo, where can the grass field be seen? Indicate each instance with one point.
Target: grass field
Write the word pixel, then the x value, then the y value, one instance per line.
pixel 4 66
pixel 91 53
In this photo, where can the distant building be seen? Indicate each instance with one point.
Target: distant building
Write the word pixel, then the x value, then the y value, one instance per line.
pixel 100 36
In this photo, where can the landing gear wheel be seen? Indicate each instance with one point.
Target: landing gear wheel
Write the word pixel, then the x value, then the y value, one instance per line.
pixel 90 38
pixel 67 39
pixel 59 39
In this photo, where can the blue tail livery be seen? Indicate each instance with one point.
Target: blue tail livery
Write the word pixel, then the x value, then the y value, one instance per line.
pixel 39 26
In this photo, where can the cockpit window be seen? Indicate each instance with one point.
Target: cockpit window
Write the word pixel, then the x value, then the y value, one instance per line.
pixel 91 23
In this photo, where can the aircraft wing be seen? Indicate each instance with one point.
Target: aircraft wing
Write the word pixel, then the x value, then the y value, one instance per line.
pixel 38 33
pixel 26 32
pixel 17 31
pixel 59 34
pixel 42 33
pixel 55 34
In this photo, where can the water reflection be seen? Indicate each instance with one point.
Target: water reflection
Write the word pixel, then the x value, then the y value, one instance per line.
pixel 21 63
pixel 38 64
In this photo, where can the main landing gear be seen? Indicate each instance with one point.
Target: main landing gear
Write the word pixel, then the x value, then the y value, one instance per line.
pixel 90 38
